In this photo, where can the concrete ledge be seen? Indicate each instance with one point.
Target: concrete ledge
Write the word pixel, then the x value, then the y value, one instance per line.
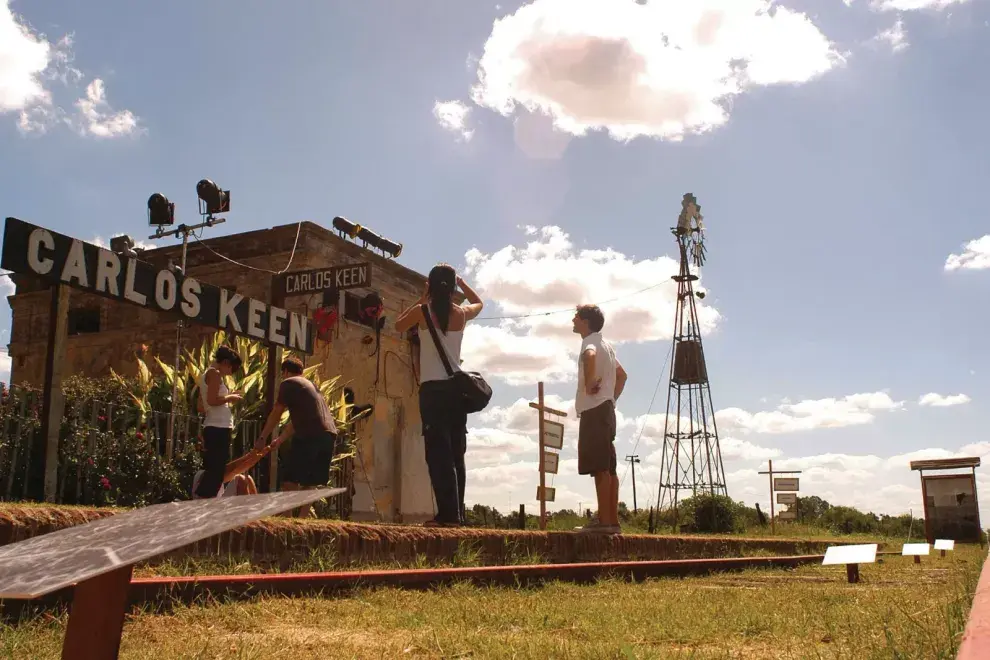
pixel 281 541
pixel 975 643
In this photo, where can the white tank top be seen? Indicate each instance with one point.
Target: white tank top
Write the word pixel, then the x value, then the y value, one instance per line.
pixel 430 365
pixel 216 416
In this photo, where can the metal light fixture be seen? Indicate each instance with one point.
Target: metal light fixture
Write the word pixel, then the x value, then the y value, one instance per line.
pixel 161 212
pixel 347 228
pixel 123 245
pixel 213 199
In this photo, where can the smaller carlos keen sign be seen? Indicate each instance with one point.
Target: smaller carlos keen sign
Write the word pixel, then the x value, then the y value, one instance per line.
pixel 56 258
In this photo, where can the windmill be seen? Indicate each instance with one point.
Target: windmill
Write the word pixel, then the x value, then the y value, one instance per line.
pixel 692 459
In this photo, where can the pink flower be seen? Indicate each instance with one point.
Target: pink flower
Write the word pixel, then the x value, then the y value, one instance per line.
pixel 105 483
pixel 89 461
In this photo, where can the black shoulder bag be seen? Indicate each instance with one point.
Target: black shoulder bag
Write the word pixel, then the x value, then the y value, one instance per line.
pixel 475 393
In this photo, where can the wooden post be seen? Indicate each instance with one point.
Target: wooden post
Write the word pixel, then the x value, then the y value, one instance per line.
pixel 773 525
pixel 276 297
pixel 852 572
pixel 96 619
pixel 53 401
pixel 543 474
pixel 522 516
pixel 399 426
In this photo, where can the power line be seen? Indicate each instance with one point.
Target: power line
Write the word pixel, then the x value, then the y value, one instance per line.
pixel 569 309
pixel 292 255
pixel 648 411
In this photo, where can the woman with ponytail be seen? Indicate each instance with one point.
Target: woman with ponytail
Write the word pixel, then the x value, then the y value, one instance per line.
pixel 444 423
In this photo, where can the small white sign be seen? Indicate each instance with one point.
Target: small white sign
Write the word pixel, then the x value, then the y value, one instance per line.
pixel 944 544
pixel 914 549
pixel 786 484
pixel 550 493
pixel 850 554
pixel 786 498
pixel 787 515
pixel 550 462
pixel 553 434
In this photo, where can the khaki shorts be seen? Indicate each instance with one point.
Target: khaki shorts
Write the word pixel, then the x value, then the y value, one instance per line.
pixel 596 440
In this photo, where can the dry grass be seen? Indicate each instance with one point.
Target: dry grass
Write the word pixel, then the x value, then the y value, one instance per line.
pixel 900 610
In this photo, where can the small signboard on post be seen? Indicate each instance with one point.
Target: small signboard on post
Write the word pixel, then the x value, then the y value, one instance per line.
pixel 789 514
pixel 852 556
pixel 915 550
pixel 786 484
pixel 545 493
pixel 553 435
pixel 550 461
pixel 786 498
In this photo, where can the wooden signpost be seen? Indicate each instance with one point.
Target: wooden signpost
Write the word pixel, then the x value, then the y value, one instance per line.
pixel 782 484
pixel 551 435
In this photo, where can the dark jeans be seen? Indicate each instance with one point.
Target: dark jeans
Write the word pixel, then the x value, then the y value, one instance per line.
pixel 445 437
pixel 216 453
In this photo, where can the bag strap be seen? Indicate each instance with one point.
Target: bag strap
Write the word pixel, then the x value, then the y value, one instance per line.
pixel 441 351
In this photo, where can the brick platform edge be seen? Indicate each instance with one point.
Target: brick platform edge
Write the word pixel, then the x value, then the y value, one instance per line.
pixel 976 639
pixel 281 541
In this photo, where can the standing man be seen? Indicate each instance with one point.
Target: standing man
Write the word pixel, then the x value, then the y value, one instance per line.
pixel 601 380
pixel 311 427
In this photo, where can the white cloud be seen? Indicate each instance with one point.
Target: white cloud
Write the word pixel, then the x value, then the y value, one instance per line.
pixel 940 401
pixel 914 5
pixel 548 273
pixel 975 256
pixel 30 63
pixel 4 366
pixel 453 116
pixel 660 69
pixel 140 245
pixel 895 37
pixel 98 119
pixel 809 414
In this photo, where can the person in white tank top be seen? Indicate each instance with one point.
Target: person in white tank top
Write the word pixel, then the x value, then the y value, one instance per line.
pixel 218 421
pixel 601 380
pixel 444 425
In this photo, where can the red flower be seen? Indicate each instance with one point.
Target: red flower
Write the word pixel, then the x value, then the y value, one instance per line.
pixel 105 483
pixel 139 435
pixel 102 418
pixel 89 461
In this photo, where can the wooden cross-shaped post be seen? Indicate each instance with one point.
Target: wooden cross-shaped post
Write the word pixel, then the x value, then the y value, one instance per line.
pixel 771 472
pixel 543 410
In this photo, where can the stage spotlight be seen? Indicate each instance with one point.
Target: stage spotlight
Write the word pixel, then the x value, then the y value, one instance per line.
pixel 161 212
pixel 124 245
pixel 213 198
pixel 345 227
pixel 379 242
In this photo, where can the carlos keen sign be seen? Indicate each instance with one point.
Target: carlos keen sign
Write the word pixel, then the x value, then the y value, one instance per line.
pixel 56 258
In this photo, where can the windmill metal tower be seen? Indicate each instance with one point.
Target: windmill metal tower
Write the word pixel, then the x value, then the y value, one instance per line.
pixel 692 459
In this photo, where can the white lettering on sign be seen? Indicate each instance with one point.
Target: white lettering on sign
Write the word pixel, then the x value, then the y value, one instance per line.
pixel 336 277
pixel 228 305
pixel 129 292
pixel 786 484
pixel 107 272
pixel 190 297
pixel 165 286
pixel 255 309
pixel 75 265
pixel 298 327
pixel 276 322
pixel 40 238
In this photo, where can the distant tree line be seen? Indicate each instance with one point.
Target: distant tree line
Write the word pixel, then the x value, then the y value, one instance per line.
pixel 719 514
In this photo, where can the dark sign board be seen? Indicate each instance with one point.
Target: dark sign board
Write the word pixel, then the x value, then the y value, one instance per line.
pixel 304 282
pixel 56 258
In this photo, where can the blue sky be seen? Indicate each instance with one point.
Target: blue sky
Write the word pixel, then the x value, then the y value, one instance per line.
pixel 845 171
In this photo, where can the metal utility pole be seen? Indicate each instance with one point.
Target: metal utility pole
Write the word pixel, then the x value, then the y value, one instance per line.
pixel 632 460
pixel 185 230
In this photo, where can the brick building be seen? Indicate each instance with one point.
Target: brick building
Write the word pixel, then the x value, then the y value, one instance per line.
pixel 105 334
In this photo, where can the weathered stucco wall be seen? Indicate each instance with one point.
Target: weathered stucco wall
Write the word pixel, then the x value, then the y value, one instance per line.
pixel 391 479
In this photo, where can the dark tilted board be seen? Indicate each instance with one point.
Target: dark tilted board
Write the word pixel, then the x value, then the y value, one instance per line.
pixel 50 562
pixel 59 259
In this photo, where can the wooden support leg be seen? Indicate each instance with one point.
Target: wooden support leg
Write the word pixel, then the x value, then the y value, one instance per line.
pixel 96 619
pixel 852 572
pixel 943 553
pixel 917 559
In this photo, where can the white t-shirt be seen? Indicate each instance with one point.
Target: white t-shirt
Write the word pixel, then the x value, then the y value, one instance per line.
pixel 216 416
pixel 604 368
pixel 229 489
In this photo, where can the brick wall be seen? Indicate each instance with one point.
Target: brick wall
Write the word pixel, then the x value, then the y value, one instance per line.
pixel 390 474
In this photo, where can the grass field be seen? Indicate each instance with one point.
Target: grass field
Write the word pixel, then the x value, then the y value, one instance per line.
pixel 899 610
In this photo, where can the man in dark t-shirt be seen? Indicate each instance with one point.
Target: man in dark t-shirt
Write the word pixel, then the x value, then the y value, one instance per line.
pixel 311 427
